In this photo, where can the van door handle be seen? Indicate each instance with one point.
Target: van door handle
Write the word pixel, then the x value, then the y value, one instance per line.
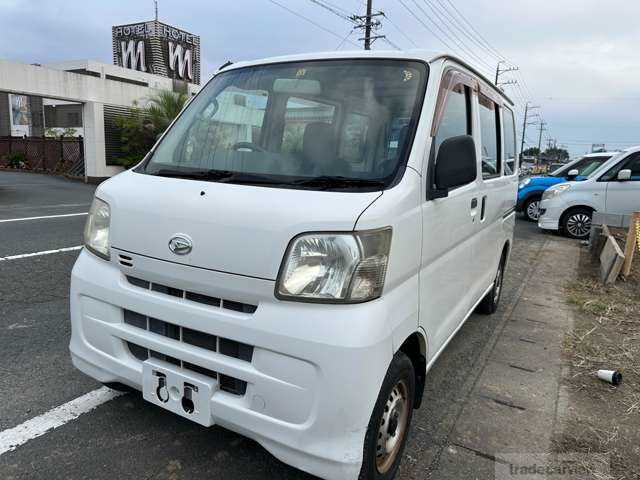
pixel 474 203
pixel 483 210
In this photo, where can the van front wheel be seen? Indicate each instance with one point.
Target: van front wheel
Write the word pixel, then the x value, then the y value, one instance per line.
pixel 389 425
pixel 489 303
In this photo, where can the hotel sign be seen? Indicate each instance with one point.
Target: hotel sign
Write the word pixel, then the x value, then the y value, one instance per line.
pixel 157 48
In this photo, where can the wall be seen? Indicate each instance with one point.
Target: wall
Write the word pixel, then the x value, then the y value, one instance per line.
pixel 93 89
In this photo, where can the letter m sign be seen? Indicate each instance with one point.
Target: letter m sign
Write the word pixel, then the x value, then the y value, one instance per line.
pixel 133 55
pixel 181 56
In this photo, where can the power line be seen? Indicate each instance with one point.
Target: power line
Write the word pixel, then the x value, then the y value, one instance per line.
pixel 425 25
pixel 386 39
pixel 321 27
pixel 345 39
pixel 455 22
pixel 331 9
pixel 402 32
pixel 478 34
pixel 450 33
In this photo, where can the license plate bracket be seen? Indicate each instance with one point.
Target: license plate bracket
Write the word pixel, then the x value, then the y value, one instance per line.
pixel 180 391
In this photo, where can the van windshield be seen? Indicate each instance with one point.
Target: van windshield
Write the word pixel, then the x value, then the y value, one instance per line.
pixel 344 124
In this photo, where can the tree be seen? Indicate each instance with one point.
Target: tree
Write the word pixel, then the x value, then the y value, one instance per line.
pixel 531 152
pixel 556 154
pixel 137 136
pixel 163 107
pixel 142 126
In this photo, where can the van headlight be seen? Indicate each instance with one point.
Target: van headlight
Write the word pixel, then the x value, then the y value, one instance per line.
pixel 96 230
pixel 335 267
pixel 555 191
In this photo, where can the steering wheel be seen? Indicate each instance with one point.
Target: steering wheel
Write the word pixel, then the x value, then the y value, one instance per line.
pixel 247 146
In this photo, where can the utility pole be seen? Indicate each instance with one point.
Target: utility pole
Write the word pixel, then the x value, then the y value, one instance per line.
pixel 542 129
pixel 368 24
pixel 527 107
pixel 500 71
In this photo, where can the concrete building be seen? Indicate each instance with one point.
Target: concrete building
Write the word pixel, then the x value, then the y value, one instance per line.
pixel 100 90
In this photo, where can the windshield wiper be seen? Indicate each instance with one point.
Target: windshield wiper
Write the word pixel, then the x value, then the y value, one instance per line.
pixel 327 181
pixel 194 174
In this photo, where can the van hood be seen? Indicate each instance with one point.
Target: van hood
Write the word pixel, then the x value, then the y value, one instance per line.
pixel 238 229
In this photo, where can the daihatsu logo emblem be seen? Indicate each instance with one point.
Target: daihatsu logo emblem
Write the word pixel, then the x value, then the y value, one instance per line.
pixel 180 244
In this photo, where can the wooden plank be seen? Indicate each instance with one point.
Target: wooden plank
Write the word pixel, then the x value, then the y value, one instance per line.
pixel 633 233
pixel 611 259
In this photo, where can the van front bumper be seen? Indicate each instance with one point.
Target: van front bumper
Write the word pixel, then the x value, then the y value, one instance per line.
pixel 311 382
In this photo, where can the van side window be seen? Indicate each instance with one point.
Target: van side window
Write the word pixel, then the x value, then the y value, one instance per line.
pixel 490 134
pixel 456 117
pixel 509 141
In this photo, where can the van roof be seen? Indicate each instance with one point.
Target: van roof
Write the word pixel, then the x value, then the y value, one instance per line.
pixel 413 54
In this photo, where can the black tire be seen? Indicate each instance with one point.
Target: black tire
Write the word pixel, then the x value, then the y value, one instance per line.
pixel 490 302
pixel 531 209
pixel 399 381
pixel 576 223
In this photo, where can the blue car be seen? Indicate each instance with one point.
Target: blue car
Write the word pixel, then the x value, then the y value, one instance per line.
pixel 530 189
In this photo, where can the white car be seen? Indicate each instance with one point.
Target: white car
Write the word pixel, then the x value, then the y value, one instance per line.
pixel 299 247
pixel 613 188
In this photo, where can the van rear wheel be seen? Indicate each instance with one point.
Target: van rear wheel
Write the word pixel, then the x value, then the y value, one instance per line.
pixel 490 302
pixel 389 425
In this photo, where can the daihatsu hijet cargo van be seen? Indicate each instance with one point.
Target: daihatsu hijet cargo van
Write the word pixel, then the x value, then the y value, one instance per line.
pixel 613 188
pixel 293 255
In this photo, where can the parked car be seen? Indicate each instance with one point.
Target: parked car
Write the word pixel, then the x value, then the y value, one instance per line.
pixel 613 188
pixel 287 265
pixel 530 189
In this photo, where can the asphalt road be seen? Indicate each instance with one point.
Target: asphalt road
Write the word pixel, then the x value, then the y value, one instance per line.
pixel 128 438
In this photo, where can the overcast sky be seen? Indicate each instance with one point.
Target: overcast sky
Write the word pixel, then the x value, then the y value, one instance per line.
pixel 579 59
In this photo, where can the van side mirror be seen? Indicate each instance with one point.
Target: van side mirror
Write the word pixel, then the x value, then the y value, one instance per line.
pixel 455 165
pixel 573 173
pixel 624 175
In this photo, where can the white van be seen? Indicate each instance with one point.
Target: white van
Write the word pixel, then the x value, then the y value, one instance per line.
pixel 293 255
pixel 612 188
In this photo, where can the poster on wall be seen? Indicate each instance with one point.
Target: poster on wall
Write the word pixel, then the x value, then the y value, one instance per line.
pixel 20 115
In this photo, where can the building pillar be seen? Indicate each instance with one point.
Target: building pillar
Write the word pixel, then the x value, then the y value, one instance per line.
pixel 94 153
pixel 5 112
pixel 37 116
pixel 95 161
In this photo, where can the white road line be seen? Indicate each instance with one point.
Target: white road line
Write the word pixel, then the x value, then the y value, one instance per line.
pixel 37 254
pixel 41 218
pixel 14 437
pixel 19 206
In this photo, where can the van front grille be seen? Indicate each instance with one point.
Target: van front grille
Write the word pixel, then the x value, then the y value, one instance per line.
pixel 213 343
pixel 192 296
pixel 125 261
pixel 226 383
